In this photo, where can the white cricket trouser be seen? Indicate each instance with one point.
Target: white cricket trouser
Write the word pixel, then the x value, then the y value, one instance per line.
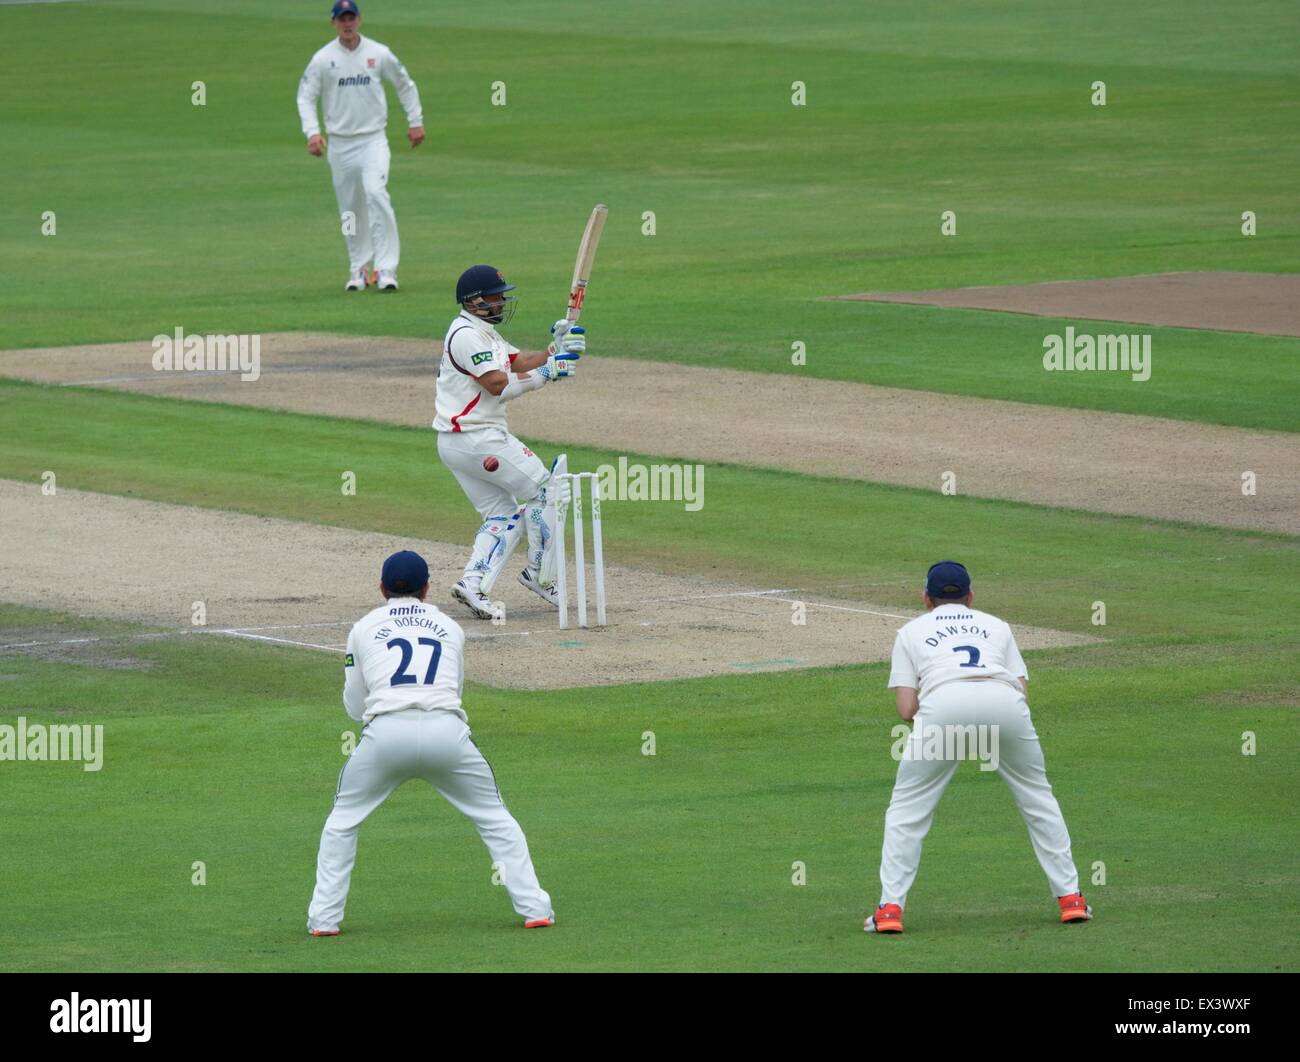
pixel 360 168
pixel 921 782
pixel 518 482
pixel 436 746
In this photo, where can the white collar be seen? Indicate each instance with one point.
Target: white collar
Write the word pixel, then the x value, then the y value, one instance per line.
pixel 474 319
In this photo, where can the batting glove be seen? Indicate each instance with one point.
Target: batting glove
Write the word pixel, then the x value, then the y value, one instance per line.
pixel 559 366
pixel 567 340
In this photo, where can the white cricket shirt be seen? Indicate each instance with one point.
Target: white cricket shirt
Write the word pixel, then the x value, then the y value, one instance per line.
pixel 404 654
pixel 472 347
pixel 955 643
pixel 349 86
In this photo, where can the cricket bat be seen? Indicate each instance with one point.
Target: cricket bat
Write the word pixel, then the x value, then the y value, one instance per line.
pixel 586 258
pixel 577 291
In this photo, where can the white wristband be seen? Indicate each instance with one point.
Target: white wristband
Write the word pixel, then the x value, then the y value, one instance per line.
pixel 531 381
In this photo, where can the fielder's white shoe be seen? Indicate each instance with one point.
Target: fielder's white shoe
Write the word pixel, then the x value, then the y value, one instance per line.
pixel 356 282
pixel 473 599
pixel 546 593
pixel 387 280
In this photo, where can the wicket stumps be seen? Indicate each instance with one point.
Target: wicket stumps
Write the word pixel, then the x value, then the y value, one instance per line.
pixel 569 493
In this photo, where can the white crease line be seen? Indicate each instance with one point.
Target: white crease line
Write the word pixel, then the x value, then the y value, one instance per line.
pixel 183 632
pixel 242 632
pixel 64 641
pixel 768 593
pixel 247 632
pixel 285 641
pixel 236 633
pixel 710 597
pixel 864 611
pixel 281 627
pixel 151 635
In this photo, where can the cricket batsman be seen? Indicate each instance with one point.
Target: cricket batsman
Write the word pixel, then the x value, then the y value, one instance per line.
pixel 504 480
pixel 346 74
pixel 955 668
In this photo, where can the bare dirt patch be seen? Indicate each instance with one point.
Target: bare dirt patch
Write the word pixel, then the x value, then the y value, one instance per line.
pixel 1103 462
pixel 149 562
pixel 1267 303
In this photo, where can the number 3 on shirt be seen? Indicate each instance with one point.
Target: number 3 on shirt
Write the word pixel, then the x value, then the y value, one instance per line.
pixel 972 650
pixel 400 677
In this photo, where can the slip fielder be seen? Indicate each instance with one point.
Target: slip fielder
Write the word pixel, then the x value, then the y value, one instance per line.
pixel 504 480
pixel 403 676
pixel 346 75
pixel 955 667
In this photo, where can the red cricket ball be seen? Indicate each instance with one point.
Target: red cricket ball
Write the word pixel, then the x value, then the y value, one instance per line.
pixel 491 464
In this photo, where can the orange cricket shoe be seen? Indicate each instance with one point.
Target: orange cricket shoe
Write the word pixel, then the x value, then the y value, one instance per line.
pixel 887 919
pixel 1074 908
pixel 538 923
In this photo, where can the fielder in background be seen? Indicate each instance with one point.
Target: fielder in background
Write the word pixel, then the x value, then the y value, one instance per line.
pixel 403 675
pixel 955 667
pixel 504 480
pixel 346 73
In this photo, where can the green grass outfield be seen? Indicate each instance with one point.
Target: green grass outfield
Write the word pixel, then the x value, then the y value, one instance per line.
pixel 226 752
pixel 215 219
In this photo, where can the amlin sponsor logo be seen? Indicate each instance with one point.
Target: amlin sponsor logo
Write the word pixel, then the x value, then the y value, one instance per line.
pixel 1099 353
pixel 102 1016
pixel 628 482
pixel 211 353
pixel 947 742
pixel 84 743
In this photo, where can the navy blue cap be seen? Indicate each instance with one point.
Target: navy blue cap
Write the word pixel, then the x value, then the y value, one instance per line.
pixel 405 574
pixel 345 7
pixel 947 579
pixel 481 280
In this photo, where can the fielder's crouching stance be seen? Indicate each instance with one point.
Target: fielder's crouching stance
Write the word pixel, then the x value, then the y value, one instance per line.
pixel 403 676
pixel 958 669
pixel 504 480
